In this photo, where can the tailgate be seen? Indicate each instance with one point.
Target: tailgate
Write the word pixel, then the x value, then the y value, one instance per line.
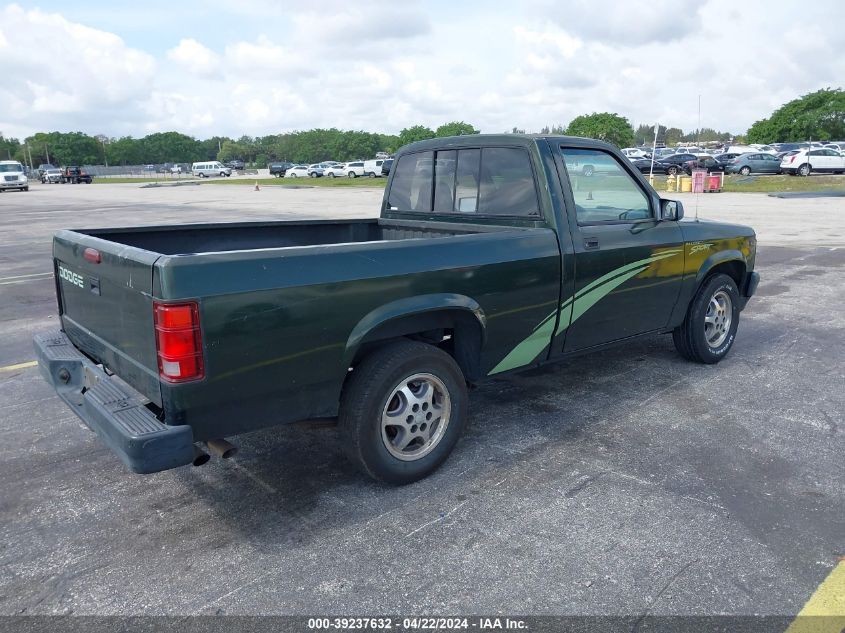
pixel 106 307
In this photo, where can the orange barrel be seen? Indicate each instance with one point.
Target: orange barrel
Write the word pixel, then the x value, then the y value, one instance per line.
pixel 714 182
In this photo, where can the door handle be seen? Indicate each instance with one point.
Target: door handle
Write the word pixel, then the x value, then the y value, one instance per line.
pixel 591 242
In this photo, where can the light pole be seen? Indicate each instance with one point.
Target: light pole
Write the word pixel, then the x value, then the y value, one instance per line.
pixel 105 158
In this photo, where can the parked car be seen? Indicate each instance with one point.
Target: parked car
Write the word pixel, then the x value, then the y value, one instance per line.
pixel 663 152
pixel 210 168
pixel 745 164
pixel 236 164
pixel 279 169
pixel 822 160
pixel 297 171
pixel 355 169
pixel 12 176
pixel 383 323
pixel 704 162
pixel 51 175
pixel 176 169
pixel 149 167
pixel 839 147
pixel 44 167
pixel 372 168
pixel 385 167
pixel 725 158
pixel 316 170
pixel 74 174
pixel 335 170
pixel 644 166
pixel 635 152
pixel 382 155
pixel 675 163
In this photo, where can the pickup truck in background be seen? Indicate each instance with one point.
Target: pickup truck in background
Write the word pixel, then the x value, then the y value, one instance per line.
pixel 74 174
pixel 492 254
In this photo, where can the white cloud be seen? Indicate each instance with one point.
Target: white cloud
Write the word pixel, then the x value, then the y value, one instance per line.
pixel 195 57
pixel 75 73
pixel 494 65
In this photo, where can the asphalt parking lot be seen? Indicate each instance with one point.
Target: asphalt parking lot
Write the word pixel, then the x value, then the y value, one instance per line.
pixel 625 483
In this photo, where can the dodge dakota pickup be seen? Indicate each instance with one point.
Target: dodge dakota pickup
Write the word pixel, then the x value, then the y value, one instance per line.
pixel 492 254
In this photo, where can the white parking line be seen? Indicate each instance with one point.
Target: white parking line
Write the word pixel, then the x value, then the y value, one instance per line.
pixel 23 276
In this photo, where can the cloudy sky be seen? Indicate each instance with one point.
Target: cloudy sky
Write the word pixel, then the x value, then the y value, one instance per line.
pixel 259 67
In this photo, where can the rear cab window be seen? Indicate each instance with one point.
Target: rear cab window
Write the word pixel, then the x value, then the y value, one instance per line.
pixel 489 181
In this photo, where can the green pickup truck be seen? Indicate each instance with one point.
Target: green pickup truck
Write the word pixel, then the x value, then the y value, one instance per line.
pixel 492 254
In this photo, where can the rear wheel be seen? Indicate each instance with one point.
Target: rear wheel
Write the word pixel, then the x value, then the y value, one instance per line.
pixel 402 411
pixel 331 174
pixel 709 328
pixel 745 170
pixel 804 170
pixel 672 171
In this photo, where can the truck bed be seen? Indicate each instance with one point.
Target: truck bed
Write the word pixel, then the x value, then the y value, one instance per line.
pixel 215 238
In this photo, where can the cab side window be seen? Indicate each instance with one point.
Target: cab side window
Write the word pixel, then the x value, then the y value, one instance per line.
pixel 603 190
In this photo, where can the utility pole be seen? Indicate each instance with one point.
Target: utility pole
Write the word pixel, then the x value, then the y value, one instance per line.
pixel 47 151
pixel 698 131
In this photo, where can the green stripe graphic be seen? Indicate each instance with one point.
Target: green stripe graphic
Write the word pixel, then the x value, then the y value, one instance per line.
pixel 572 309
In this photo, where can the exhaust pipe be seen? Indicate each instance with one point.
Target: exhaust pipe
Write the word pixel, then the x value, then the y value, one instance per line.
pixel 200 456
pixel 222 448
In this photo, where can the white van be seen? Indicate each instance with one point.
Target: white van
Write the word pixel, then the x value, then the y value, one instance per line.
pixel 372 168
pixel 211 168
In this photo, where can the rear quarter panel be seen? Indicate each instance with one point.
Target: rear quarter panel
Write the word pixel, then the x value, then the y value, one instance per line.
pixel 277 324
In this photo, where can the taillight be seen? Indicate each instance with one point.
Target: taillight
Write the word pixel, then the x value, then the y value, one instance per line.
pixel 178 341
pixel 792 158
pixel 92 255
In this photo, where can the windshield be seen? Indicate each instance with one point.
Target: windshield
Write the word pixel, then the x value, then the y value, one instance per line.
pixel 13 167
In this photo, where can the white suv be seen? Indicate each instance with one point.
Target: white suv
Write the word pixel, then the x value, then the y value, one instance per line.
pixel 353 170
pixel 12 176
pixel 823 160
pixel 635 152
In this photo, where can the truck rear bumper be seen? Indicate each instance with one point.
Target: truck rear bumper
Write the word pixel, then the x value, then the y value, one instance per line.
pixel 111 409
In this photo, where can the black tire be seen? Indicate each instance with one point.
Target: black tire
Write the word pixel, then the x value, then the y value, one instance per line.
pixel 365 399
pixel 672 171
pixel 202 175
pixel 588 171
pixel 313 174
pixel 331 174
pixel 690 337
pixel 804 170
pixel 25 188
pixel 745 170
pixel 352 174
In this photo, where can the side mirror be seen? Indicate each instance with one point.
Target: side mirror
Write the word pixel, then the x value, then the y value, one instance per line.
pixel 671 210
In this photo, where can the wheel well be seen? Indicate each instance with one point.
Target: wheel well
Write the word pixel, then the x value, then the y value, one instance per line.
pixel 456 332
pixel 733 269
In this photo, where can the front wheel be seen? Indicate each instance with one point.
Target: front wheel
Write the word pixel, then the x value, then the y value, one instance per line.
pixel 402 411
pixel 672 171
pixel 352 174
pixel 709 328
pixel 745 170
pixel 331 174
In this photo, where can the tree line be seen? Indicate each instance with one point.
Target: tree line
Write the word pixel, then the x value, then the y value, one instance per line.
pixel 816 116
pixel 308 146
